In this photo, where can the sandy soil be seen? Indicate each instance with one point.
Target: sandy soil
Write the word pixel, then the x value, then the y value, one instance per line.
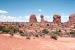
pixel 15 43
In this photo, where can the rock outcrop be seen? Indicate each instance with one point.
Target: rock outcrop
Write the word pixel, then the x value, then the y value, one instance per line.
pixel 42 22
pixel 72 18
pixel 71 21
pixel 33 18
pixel 57 19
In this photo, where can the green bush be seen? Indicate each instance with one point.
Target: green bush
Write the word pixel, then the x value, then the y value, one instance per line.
pixel 13 29
pixel 1 28
pixel 4 29
pixel 10 29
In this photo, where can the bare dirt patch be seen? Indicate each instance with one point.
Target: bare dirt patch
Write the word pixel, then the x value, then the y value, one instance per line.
pixel 14 43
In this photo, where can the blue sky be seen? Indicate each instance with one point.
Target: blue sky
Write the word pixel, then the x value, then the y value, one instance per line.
pixel 25 8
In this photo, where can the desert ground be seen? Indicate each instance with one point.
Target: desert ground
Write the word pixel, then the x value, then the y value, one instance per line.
pixel 20 43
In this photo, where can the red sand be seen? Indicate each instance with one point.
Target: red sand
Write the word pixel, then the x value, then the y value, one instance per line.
pixel 14 43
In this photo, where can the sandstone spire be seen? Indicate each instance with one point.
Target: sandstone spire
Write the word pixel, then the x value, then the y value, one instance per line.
pixel 42 18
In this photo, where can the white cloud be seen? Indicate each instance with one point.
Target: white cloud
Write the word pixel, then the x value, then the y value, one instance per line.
pixel 49 18
pixel 3 12
pixel 64 18
pixel 4 18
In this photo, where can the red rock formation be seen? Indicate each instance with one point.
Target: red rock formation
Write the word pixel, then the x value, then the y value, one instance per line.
pixel 32 18
pixel 57 19
pixel 42 18
pixel 42 22
pixel 72 18
pixel 71 21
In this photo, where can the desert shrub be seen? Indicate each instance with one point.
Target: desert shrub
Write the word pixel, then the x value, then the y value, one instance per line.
pixel 59 30
pixel 40 33
pixel 1 28
pixel 36 35
pixel 74 26
pixel 4 29
pixel 21 33
pixel 11 34
pixel 45 31
pixel 72 33
pixel 27 37
pixel 54 37
pixel 9 30
pixel 13 29
pixel 56 33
